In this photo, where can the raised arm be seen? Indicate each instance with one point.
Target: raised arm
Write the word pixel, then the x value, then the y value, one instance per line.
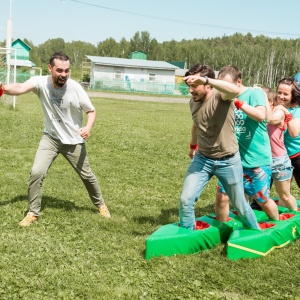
pixel 228 90
pixel 257 113
pixel 16 89
pixel 278 115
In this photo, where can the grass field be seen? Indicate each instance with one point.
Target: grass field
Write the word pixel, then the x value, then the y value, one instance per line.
pixel 138 151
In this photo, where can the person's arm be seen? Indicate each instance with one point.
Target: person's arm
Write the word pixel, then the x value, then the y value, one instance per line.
pixel 277 117
pixel 269 111
pixel 16 89
pixel 257 113
pixel 293 126
pixel 193 142
pixel 260 112
pixel 282 115
pixel 228 90
pixel 85 131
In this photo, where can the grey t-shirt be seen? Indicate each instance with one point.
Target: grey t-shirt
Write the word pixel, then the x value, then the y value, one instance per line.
pixel 62 108
pixel 214 119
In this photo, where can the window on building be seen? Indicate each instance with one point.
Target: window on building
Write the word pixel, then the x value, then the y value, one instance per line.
pixel 152 77
pixel 118 74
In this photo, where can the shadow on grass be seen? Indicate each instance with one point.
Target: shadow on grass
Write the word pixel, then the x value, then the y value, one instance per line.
pixel 167 216
pixel 50 202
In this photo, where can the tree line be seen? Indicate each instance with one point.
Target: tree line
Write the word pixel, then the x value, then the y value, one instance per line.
pixel 261 59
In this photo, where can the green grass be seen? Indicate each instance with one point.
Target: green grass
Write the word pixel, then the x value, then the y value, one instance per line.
pixel 138 151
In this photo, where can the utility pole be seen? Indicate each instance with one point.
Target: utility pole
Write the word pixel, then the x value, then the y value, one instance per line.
pixel 8 41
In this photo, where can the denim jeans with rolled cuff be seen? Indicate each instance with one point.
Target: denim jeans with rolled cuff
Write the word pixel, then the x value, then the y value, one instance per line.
pixel 230 173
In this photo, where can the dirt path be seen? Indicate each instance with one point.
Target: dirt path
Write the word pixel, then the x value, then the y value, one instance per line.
pixel 175 99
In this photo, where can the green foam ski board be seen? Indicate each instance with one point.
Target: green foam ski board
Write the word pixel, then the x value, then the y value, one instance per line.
pixel 261 216
pixel 170 239
pixel 250 243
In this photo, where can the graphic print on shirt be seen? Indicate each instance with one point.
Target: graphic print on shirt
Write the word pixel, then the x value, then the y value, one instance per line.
pixel 239 121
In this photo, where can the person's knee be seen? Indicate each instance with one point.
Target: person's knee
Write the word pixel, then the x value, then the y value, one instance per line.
pixel 265 204
pixel 187 200
pixel 37 173
pixel 87 176
pixel 221 199
pixel 260 203
pixel 285 196
pixel 184 202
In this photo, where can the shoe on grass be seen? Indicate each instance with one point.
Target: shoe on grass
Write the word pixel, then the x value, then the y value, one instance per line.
pixel 28 220
pixel 103 211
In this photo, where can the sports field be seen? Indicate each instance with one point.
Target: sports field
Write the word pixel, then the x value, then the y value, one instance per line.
pixel 138 151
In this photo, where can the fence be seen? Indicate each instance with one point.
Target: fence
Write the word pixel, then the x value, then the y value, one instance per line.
pixel 140 87
pixel 21 76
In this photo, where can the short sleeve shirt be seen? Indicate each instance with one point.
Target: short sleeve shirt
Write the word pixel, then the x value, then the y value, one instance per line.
pixel 253 138
pixel 63 108
pixel 292 144
pixel 214 119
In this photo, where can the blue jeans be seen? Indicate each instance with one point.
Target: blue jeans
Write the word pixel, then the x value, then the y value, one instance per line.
pixel 230 173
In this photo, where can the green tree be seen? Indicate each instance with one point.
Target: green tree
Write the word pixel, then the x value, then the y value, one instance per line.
pixel 136 42
pixel 109 47
pixel 261 59
pixel 45 50
pixel 124 48
pixel 77 50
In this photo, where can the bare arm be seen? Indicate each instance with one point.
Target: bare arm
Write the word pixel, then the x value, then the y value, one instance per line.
pixel 277 117
pixel 193 140
pixel 228 90
pixel 280 115
pixel 17 88
pixel 269 111
pixel 294 127
pixel 257 113
pixel 85 131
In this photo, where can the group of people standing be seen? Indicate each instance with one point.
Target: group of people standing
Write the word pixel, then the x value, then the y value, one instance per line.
pixel 247 137
pixel 243 135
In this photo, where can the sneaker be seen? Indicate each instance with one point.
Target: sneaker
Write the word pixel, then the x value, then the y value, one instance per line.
pixel 28 220
pixel 103 211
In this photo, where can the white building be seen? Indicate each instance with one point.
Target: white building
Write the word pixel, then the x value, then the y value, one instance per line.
pixel 139 75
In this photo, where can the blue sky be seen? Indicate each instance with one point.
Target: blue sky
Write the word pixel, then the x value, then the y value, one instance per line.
pixel 94 21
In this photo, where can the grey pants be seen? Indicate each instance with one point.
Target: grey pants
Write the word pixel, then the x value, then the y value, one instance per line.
pixel 47 152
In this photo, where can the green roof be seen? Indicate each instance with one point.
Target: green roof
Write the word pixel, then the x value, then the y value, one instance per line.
pixel 179 64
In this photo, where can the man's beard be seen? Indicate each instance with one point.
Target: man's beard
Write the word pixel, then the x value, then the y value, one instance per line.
pixel 61 84
pixel 197 97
